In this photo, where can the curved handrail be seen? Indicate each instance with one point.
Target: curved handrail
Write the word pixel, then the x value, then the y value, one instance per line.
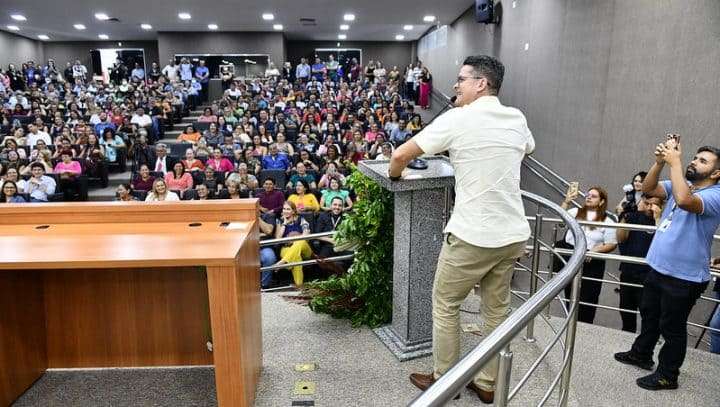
pixel 450 383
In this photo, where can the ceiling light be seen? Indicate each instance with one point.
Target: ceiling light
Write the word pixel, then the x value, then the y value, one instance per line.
pixel 268 16
pixel 407 27
pixel 103 36
pixel 146 26
pixel 43 37
pixel 13 28
pixel 277 27
pixel 429 19
pixel 344 27
pixel 18 17
pixel 342 36
pixel 79 27
pixel 102 16
pixel 184 16
pixel 399 37
pixel 349 17
pixel 212 26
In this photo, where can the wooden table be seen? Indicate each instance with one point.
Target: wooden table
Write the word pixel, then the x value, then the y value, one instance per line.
pixel 87 285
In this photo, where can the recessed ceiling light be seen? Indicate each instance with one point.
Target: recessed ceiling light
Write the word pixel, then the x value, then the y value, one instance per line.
pixel 18 17
pixel 79 26
pixel 184 16
pixel 146 26
pixel 212 26
pixel 349 17
pixel 13 28
pixel 344 27
pixel 399 37
pixel 429 19
pixel 407 27
pixel 268 16
pixel 103 36
pixel 102 16
pixel 277 27
pixel 342 36
pixel 43 37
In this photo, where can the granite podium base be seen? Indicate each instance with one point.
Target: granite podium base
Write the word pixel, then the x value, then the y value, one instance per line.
pixel 397 346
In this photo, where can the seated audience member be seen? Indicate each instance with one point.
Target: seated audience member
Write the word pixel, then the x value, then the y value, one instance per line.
pixel 211 180
pixel 143 181
pixel 599 240
pixel 333 156
pixel 112 144
pixel 271 199
pixel 208 116
pixel 245 179
pixel 400 134
pixel 124 193
pixel 275 160
pixel 267 253
pixel 43 157
pixel 229 146
pixel 329 222
pixel 68 172
pixel 9 193
pixel 218 162
pixel 253 164
pixel 34 134
pixel 372 133
pixel 240 136
pixel 11 145
pixel 387 150
pixel 201 149
pixel 303 200
pixel 191 163
pixel 415 124
pixel 178 179
pixel 331 171
pixel 334 191
pixel 202 192
pixel 12 174
pixel 39 186
pixel 292 224
pixel 213 135
pixel 234 190
pixel 143 121
pixel 328 145
pixel 189 135
pixel 258 149
pixel 635 243
pixel 160 192
pixel 301 175
pixel 162 162
pixel 306 158
pixel 283 146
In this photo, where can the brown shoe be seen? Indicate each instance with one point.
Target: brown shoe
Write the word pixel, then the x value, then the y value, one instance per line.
pixel 486 397
pixel 422 381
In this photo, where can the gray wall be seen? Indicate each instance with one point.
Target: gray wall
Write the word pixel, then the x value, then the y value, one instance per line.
pixel 602 81
pixel 63 52
pixel 271 43
pixel 17 49
pixel 390 53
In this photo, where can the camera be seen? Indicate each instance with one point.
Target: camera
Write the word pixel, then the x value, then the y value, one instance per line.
pixel 630 205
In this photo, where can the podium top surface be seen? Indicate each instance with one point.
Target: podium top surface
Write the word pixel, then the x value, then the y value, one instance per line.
pixel 439 174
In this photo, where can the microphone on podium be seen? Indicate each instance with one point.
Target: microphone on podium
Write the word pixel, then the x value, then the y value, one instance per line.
pixel 419 163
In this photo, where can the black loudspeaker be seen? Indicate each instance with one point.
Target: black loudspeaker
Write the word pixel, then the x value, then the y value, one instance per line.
pixel 484 11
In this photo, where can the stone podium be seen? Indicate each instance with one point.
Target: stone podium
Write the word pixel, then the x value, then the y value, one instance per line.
pixel 422 208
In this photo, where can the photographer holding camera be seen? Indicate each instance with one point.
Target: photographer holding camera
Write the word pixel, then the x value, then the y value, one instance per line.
pixel 633 192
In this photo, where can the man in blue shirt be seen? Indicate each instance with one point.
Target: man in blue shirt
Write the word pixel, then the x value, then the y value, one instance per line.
pixel 679 257
pixel 138 73
pixel 104 124
pixel 202 74
pixel 318 70
pixel 302 71
pixel 275 161
pixel 400 133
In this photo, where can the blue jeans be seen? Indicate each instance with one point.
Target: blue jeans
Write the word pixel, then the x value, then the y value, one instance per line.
pixel 267 258
pixel 715 323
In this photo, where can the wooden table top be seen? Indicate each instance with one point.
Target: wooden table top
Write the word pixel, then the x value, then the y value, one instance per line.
pixel 101 245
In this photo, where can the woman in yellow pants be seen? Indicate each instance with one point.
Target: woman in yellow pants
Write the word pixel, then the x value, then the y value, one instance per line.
pixel 291 224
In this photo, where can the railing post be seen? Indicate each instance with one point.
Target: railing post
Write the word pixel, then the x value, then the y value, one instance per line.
pixel 502 385
pixel 551 257
pixel 530 333
pixel 570 339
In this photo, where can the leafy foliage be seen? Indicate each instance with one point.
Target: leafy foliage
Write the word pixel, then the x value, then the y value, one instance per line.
pixel 364 294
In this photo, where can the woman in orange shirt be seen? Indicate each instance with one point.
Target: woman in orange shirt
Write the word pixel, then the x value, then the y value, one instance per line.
pixel 190 135
pixel 191 163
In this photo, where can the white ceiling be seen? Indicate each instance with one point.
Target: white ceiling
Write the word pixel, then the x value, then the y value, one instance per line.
pixel 375 20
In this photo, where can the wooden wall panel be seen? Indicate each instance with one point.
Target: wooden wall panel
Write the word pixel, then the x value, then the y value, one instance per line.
pixel 127 317
pixel 23 357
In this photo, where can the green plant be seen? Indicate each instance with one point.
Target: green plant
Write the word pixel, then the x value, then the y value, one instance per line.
pixel 364 293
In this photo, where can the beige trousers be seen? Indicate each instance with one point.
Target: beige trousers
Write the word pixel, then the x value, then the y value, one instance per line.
pixel 461 266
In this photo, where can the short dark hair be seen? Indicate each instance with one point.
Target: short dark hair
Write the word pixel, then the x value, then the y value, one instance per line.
pixel 37 165
pixel 489 68
pixel 339 199
pixel 713 150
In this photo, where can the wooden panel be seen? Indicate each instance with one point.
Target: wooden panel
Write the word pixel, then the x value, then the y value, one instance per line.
pixel 126 317
pixel 237 326
pixel 129 212
pixel 23 357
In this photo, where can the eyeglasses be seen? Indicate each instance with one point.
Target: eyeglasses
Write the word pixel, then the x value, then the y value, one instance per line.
pixel 461 79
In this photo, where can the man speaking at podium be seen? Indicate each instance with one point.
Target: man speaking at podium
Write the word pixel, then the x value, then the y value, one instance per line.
pixel 487 230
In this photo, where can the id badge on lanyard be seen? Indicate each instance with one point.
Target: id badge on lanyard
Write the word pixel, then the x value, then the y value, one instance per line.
pixel 665 224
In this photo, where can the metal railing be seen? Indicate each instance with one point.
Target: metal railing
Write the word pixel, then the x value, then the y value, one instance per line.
pixel 498 342
pixel 309 262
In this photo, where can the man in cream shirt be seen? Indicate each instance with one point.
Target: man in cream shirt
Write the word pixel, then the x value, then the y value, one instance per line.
pixel 487 230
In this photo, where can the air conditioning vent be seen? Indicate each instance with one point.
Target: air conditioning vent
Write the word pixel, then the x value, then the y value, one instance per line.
pixel 113 20
pixel 308 22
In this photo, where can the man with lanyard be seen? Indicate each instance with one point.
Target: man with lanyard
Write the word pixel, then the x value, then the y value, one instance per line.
pixel 487 231
pixel 202 74
pixel 679 258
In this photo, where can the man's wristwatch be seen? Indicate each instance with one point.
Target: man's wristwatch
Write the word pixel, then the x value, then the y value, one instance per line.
pixel 393 178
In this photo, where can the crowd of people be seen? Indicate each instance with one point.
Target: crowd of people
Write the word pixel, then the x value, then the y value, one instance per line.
pixel 288 138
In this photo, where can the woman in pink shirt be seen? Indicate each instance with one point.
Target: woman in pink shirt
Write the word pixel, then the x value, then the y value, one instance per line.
pixel 68 172
pixel 218 162
pixel 178 179
pixel 207 116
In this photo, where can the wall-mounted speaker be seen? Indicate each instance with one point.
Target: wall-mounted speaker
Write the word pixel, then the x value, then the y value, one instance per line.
pixel 484 11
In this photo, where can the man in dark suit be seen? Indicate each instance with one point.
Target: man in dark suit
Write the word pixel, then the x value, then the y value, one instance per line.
pixel 160 161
